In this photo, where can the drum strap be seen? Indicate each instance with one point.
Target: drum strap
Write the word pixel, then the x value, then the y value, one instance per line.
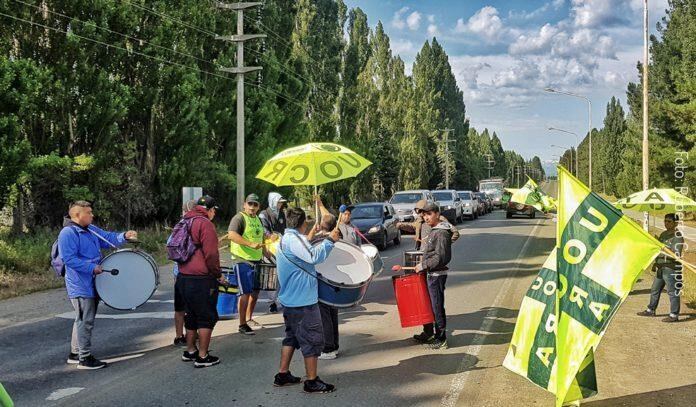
pixel 290 260
pixel 99 236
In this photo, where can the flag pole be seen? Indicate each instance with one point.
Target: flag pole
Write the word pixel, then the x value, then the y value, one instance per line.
pixel 684 263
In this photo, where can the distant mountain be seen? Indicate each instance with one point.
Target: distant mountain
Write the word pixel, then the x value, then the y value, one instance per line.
pixel 550 168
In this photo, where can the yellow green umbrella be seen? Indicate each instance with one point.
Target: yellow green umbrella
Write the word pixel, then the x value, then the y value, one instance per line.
pixel 656 200
pixel 312 164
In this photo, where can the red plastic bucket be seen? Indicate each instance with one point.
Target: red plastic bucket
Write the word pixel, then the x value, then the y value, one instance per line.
pixel 412 299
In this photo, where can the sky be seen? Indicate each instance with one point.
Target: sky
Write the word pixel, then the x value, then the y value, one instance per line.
pixel 505 53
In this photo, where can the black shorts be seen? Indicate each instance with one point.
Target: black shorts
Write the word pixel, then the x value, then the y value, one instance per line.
pixel 303 329
pixel 200 294
pixel 179 305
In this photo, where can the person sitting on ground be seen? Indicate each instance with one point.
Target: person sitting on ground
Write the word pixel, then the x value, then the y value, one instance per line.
pixel 179 337
pixel 79 244
pixel 197 284
pixel 437 253
pixel 420 227
pixel 668 272
pixel 298 294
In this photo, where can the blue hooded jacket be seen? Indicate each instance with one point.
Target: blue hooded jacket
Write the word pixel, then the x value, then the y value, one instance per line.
pixel 80 250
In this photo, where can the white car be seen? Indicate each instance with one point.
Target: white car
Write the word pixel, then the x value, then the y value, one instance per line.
pixel 469 204
pixel 404 203
pixel 450 205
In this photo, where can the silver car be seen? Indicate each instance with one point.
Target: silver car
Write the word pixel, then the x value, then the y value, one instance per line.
pixel 404 203
pixel 450 205
pixel 470 204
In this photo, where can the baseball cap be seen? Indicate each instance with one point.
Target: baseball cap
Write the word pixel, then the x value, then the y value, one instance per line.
pixel 208 202
pixel 252 198
pixel 431 207
pixel 420 205
pixel 282 199
pixel 345 207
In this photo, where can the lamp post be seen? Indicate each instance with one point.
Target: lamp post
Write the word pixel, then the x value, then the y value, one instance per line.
pixel 571 156
pixel 577 146
pixel 589 124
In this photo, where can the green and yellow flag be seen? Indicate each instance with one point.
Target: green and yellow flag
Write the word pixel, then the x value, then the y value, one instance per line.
pixel 599 255
pixel 5 400
pixel 531 194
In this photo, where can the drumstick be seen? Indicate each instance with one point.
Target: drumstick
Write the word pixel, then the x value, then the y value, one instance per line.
pixel 397 267
pixel 113 272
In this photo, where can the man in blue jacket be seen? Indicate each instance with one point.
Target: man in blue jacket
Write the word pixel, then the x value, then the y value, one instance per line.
pixel 299 294
pixel 79 245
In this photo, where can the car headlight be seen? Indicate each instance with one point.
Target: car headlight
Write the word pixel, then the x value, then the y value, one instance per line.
pixel 467 204
pixel 375 229
pixel 448 207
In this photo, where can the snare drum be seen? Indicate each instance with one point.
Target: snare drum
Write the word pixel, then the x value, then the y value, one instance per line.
pixel 344 276
pixel 413 257
pixel 266 277
pixel 136 281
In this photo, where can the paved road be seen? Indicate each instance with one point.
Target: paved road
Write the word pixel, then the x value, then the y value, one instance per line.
pixel 378 364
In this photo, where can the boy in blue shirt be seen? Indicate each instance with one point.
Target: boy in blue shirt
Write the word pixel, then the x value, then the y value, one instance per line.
pixel 299 295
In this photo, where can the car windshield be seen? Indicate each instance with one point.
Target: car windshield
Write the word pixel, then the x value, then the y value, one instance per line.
pixel 366 212
pixel 442 196
pixel 465 195
pixel 481 195
pixel 406 198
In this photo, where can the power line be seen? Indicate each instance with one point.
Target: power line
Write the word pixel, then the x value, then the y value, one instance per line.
pixel 163 60
pixel 173 19
pixel 116 32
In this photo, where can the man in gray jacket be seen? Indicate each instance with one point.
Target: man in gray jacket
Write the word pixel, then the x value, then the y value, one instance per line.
pixel 437 253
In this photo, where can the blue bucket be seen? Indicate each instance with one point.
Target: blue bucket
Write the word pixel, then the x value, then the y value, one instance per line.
pixel 227 306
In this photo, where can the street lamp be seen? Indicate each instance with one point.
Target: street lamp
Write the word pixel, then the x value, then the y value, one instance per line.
pixel 571 156
pixel 589 121
pixel 577 146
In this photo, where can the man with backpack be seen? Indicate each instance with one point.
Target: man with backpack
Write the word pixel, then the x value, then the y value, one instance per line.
pixel 193 245
pixel 78 256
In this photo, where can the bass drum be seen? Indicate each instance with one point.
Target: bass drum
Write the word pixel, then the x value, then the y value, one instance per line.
pixel 344 276
pixel 136 281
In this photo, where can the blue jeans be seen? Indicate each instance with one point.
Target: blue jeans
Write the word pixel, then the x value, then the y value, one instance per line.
pixel 669 278
pixel 436 289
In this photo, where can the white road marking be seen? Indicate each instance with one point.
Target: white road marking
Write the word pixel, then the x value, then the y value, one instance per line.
pixel 61 393
pixel 122 358
pixel 132 315
pixel 459 381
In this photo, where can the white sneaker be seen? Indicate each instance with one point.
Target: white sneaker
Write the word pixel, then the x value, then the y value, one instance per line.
pixel 254 324
pixel 328 355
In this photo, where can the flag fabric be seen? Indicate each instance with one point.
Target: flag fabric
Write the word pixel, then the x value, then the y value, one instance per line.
pixel 598 257
pixel 531 194
pixel 5 400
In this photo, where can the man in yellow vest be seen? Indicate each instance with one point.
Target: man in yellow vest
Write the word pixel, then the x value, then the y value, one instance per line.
pixel 246 234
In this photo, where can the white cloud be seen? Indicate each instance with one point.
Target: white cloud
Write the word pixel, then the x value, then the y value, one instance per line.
pixel 485 23
pixel 402 47
pixel 431 18
pixel 398 19
pixel 413 21
pixel 531 15
pixel 432 27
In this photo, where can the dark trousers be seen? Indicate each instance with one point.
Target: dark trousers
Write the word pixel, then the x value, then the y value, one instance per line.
pixel 329 321
pixel 436 289
pixel 669 278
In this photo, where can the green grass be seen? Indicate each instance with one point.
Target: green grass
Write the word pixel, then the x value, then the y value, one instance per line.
pixel 25 260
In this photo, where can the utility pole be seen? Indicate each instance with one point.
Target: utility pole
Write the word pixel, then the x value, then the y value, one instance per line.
pixel 240 70
pixel 491 163
pixel 447 160
pixel 646 162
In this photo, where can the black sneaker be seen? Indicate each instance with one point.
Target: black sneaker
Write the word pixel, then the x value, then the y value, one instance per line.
pixel 285 379
pixel 90 363
pixel 73 358
pixel 189 356
pixel 670 318
pixel 246 330
pixel 438 344
pixel 423 337
pixel 273 308
pixel 180 341
pixel 646 313
pixel 207 361
pixel 318 386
